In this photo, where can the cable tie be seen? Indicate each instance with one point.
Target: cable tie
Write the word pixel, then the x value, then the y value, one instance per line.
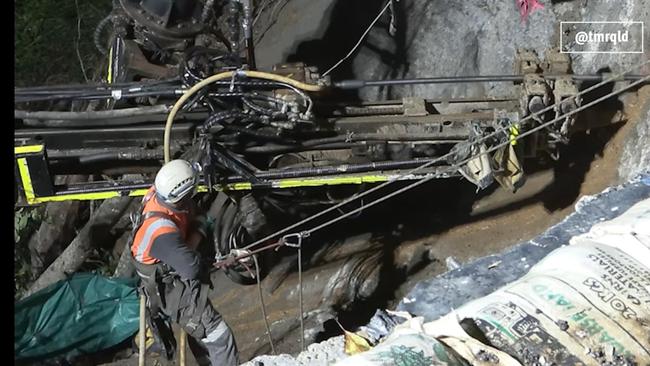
pixel 237 72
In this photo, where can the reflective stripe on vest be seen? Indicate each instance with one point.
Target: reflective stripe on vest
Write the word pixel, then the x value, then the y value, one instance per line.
pixel 152 227
pixel 158 227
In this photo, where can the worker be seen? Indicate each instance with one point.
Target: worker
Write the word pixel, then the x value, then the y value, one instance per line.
pixel 166 235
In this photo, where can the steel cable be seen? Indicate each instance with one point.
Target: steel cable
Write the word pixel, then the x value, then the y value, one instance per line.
pixel 262 306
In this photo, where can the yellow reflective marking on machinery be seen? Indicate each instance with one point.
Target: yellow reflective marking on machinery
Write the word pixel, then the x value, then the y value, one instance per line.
pixel 26 179
pixel 28 149
pixel 109 77
pixel 242 186
pixel 88 196
pixel 294 183
pixel 514 133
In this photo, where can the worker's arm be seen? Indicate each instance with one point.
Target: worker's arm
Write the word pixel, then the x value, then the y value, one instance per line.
pixel 170 249
pixel 198 230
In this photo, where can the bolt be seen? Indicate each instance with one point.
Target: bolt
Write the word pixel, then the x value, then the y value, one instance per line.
pixel 563 324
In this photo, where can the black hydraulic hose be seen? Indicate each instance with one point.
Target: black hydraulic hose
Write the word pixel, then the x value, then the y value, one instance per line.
pixel 248 95
pixel 99 86
pixel 358 84
pixel 223 115
pixel 343 142
pixel 260 109
pixel 260 135
pixel 170 87
pixel 86 96
pixel 276 149
pixel 87 115
pixel 97 35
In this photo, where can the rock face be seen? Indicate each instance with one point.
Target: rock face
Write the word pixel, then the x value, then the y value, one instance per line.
pixel 445 38
pixel 635 157
pixel 441 38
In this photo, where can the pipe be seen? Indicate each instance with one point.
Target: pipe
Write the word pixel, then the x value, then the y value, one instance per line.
pixel 183 348
pixel 141 334
pixel 358 84
pixel 86 115
pixel 247 24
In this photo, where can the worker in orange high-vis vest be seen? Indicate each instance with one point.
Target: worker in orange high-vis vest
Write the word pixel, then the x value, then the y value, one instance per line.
pixel 166 234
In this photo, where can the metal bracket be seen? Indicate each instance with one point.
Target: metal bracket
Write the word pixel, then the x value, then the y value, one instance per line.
pixel 526 62
pixel 414 107
pixel 235 164
pixel 295 240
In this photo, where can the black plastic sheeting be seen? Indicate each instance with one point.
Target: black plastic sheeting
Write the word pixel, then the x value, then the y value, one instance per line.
pixel 437 296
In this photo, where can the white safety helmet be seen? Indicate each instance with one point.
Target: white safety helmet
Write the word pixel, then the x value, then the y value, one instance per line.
pixel 175 180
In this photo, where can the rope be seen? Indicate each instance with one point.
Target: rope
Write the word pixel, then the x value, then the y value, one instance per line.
pixel 262 306
pixel 363 36
pixel 302 318
pixel 435 160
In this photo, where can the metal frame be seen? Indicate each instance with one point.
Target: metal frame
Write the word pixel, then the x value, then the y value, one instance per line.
pixel 37 185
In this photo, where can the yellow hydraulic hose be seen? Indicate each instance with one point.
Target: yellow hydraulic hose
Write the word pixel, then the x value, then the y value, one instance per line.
pixel 220 76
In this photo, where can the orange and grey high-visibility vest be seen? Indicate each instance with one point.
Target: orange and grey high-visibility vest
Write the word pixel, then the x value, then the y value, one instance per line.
pixel 156 220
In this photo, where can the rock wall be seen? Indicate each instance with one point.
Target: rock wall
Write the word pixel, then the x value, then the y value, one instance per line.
pixel 635 157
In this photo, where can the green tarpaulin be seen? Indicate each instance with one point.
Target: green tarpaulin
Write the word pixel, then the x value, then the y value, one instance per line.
pixel 81 315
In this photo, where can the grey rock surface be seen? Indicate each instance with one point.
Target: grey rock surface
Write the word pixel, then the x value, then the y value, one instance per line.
pixel 447 38
pixel 440 38
pixel 635 157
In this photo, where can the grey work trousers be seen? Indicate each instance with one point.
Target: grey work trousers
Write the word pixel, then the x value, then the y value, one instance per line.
pixel 183 300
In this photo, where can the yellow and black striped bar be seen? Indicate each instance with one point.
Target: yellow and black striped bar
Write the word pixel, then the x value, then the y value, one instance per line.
pixel 37 183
